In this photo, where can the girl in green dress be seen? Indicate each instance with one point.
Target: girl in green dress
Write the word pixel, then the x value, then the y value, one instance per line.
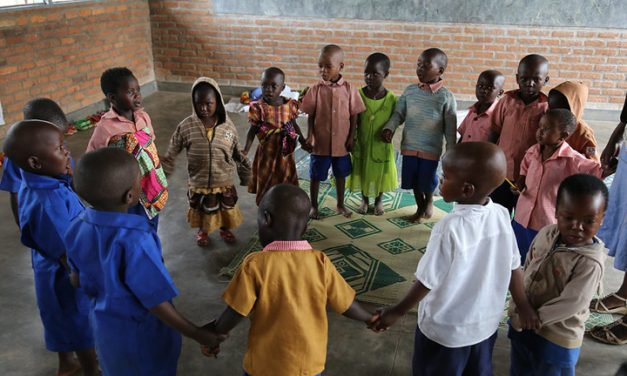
pixel 374 167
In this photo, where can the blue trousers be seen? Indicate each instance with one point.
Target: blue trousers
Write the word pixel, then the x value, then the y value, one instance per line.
pixel 524 238
pixel 433 359
pixel 527 360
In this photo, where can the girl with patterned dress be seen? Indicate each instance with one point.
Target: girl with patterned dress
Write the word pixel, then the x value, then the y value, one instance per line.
pixel 211 142
pixel 273 120
pixel 374 166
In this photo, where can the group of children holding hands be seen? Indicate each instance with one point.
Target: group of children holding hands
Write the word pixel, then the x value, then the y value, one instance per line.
pixel 526 151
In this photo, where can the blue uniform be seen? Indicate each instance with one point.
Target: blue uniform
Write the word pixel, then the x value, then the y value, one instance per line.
pixel 46 207
pixel 12 176
pixel 118 259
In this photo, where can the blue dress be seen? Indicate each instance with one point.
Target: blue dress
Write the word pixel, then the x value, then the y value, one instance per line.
pixel 613 232
pixel 46 207
pixel 118 259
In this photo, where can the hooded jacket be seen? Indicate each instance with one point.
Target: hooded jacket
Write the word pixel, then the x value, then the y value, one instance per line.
pixel 560 282
pixel 582 140
pixel 211 163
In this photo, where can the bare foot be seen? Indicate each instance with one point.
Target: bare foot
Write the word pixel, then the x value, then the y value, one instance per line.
pixel 68 366
pixel 428 211
pixel 313 213
pixel 415 218
pixel 363 208
pixel 345 212
pixel 378 208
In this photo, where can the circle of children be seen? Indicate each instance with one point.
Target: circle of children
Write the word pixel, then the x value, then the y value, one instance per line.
pixel 103 288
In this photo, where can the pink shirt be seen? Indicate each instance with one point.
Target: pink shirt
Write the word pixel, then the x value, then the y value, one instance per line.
pixel 288 245
pixel 536 204
pixel 431 88
pixel 113 124
pixel 475 126
pixel 517 123
pixel 332 104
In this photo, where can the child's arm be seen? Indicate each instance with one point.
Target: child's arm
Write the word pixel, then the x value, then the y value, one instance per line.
pixel 497 122
pixel 14 208
pixel 170 316
pixel 228 320
pixel 389 316
pixel 250 137
pixel 174 148
pixel 311 121
pixel 520 185
pixel 528 316
pixel 397 118
pixel 350 142
pixel 450 122
pixel 357 312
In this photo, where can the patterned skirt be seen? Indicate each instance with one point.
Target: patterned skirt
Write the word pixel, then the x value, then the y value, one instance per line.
pixel 224 216
pixel 271 167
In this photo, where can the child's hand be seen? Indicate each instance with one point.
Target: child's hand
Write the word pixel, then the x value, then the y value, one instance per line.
pixel 528 318
pixel 307 145
pixel 210 352
pixel 387 135
pixel 207 336
pixel 387 318
pixel 349 144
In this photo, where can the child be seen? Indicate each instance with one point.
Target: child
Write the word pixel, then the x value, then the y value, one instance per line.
pixel 332 105
pixel 273 120
pixel 127 126
pixel 476 125
pixel 562 273
pixel 428 110
pixel 211 142
pixel 543 168
pixel 286 289
pixel 461 281
pixel 47 204
pixel 515 121
pixel 116 259
pixel 42 109
pixel 572 96
pixel 374 166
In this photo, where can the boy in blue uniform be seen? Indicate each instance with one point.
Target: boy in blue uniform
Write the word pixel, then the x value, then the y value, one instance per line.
pixel 42 109
pixel 47 204
pixel 116 258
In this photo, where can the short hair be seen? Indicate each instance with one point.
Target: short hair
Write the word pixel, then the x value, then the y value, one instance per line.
pixel 492 74
pixel 533 59
pixel 583 185
pixel 274 71
pixel 437 55
pixel 563 118
pixel 103 176
pixel 45 109
pixel 23 140
pixel 332 49
pixel 113 78
pixel 381 58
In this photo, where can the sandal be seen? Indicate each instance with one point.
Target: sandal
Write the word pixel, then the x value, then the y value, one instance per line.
pixel 606 335
pixel 227 236
pixel 597 305
pixel 202 239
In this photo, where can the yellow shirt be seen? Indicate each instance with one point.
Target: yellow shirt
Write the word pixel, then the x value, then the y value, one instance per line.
pixel 287 287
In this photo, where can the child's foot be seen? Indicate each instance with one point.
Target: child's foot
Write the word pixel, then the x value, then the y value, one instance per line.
pixel 345 212
pixel 202 238
pixel 313 213
pixel 227 236
pixel 414 218
pixel 68 365
pixel 363 208
pixel 378 208
pixel 428 213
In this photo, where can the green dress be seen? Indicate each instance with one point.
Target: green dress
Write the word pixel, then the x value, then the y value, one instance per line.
pixel 374 167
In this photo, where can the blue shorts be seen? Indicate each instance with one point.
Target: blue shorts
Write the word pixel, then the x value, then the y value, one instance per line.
pixel 433 359
pixel 319 167
pixel 524 237
pixel 419 174
pixel 534 355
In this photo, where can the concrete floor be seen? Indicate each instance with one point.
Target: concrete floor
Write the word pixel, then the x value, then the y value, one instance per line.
pixel 353 350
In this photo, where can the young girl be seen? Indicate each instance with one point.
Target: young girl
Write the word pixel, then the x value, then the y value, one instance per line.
pixel 374 168
pixel 273 120
pixel 210 140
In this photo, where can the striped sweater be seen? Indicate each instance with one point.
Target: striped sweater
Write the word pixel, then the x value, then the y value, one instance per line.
pixel 429 118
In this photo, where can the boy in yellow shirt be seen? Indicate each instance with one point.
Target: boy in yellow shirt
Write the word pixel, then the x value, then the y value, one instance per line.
pixel 286 287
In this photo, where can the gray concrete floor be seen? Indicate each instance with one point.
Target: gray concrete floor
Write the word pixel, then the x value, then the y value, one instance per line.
pixel 352 350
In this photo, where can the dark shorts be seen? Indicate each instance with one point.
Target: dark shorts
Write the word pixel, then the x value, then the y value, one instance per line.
pixel 433 359
pixel 419 174
pixel 524 237
pixel 531 355
pixel 319 167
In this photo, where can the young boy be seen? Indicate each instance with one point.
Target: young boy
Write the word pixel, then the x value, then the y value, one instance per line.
pixel 127 126
pixel 476 125
pixel 47 204
pixel 42 109
pixel 332 105
pixel 116 259
pixel 515 121
pixel 542 170
pixel 562 274
pixel 286 289
pixel 428 110
pixel 461 281
pixel 572 96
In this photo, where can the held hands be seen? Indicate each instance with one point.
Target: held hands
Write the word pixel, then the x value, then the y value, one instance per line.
pixel 210 340
pixel 387 135
pixel 528 318
pixel 306 144
pixel 383 319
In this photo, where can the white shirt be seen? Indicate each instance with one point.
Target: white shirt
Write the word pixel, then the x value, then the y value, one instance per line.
pixel 467 266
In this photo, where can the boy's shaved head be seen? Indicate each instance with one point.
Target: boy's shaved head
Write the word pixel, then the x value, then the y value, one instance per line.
pixel 534 60
pixel 334 51
pixel 563 118
pixel 287 206
pixel 45 109
pixel 494 76
pixel 103 177
pixel 482 164
pixel 436 55
pixel 28 138
pixel 273 72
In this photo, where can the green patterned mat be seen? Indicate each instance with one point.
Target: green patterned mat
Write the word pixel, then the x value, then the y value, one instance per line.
pixel 376 255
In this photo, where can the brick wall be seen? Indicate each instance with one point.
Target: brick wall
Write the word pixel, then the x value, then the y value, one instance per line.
pixel 189 41
pixel 60 51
